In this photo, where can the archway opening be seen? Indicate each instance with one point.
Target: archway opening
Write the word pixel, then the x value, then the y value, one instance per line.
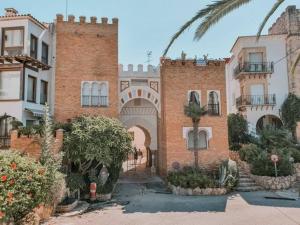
pixel 140 160
pixel 268 121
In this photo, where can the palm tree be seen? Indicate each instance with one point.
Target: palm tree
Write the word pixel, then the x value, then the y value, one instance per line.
pixel 215 11
pixel 195 112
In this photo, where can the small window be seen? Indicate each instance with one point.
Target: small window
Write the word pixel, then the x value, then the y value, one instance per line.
pixel 201 142
pixel 31 89
pixel 13 43
pixel 213 103
pixel 33 46
pixel 44 92
pixel 45 52
pixel 95 98
pixel 85 94
pixel 194 97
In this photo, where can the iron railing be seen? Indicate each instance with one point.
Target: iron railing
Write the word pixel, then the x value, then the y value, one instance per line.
pixel 4 142
pixel 256 100
pixel 251 67
pixel 94 101
pixel 129 111
pixel 213 109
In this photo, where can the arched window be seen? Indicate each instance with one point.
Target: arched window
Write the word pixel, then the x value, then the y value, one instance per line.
pixel 85 94
pixel 194 97
pixel 201 142
pixel 213 103
pixel 95 99
pixel 103 94
pixel 202 139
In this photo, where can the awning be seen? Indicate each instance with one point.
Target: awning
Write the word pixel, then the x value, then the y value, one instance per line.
pixel 36 112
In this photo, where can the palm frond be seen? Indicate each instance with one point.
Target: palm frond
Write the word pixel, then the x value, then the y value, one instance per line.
pixel 194 110
pixel 216 15
pixel 271 12
pixel 293 69
pixel 200 14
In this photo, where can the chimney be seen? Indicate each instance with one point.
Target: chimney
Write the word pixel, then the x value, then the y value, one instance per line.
pixel 10 12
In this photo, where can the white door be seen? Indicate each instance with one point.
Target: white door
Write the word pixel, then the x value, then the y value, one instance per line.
pixel 257 94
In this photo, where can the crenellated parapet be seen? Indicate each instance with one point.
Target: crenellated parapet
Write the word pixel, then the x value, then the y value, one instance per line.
pixel 140 71
pixel 193 62
pixel 82 20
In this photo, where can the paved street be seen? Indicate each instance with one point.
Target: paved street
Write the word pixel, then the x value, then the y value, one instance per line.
pixel 145 204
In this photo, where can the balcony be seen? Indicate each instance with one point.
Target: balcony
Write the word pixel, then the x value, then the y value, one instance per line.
pixel 94 101
pixel 254 68
pixel 256 100
pixel 213 109
pixel 13 51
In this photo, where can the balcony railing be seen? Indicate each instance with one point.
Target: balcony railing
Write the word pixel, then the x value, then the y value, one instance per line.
pixel 4 142
pixel 13 51
pixel 256 100
pixel 213 109
pixel 250 67
pixel 94 101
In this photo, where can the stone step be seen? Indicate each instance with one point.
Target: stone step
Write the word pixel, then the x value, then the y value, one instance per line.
pixel 248 189
pixel 251 184
pixel 245 179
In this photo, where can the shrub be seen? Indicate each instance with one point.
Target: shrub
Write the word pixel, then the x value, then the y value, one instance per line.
pixel 249 152
pixel 263 166
pixel 191 178
pixel 24 185
pixel 93 142
pixel 237 131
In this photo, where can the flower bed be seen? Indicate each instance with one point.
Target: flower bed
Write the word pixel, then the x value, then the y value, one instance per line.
pixel 197 191
pixel 274 183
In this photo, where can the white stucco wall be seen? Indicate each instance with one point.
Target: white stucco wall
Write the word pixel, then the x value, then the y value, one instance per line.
pixel 277 83
pixel 17 108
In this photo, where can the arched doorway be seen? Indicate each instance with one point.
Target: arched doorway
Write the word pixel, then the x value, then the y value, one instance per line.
pixel 140 116
pixel 268 121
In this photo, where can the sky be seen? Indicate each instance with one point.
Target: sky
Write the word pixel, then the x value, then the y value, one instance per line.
pixel 148 25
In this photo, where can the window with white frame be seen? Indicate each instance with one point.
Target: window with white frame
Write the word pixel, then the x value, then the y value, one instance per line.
pixel 194 97
pixel 202 140
pixel 213 105
pixel 94 94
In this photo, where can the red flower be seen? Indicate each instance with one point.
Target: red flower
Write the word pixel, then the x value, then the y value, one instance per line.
pixel 2 214
pixel 13 166
pixel 3 178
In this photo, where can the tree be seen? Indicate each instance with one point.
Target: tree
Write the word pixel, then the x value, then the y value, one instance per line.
pixel 237 131
pixel 291 113
pixel 214 12
pixel 94 142
pixel 195 112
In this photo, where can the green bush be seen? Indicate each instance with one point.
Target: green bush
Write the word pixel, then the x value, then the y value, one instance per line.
pixel 237 131
pixel 191 178
pixel 24 185
pixel 92 142
pixel 263 166
pixel 249 152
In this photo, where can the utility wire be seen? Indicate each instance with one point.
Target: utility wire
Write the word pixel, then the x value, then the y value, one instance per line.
pixel 286 55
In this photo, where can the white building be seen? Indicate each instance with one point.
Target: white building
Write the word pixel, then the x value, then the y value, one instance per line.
pixel 257 79
pixel 25 69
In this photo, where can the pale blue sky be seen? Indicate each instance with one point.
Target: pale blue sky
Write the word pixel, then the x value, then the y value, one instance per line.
pixel 149 24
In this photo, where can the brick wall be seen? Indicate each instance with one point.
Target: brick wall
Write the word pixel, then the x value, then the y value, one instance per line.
pixel 177 78
pixel 32 145
pixel 85 51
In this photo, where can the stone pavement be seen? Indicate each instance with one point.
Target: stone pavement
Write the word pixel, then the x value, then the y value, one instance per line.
pixel 147 206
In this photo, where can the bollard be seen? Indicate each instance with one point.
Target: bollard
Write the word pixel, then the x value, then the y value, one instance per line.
pixel 93 188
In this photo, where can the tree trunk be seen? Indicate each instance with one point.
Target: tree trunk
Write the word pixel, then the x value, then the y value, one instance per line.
pixel 195 135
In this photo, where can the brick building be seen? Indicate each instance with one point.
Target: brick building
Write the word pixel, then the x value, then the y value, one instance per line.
pixel 86 76
pixel 179 80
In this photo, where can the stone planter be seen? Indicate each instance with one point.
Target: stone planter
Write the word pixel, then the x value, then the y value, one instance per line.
pixel 197 191
pixel 274 183
pixel 104 197
pixel 66 208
